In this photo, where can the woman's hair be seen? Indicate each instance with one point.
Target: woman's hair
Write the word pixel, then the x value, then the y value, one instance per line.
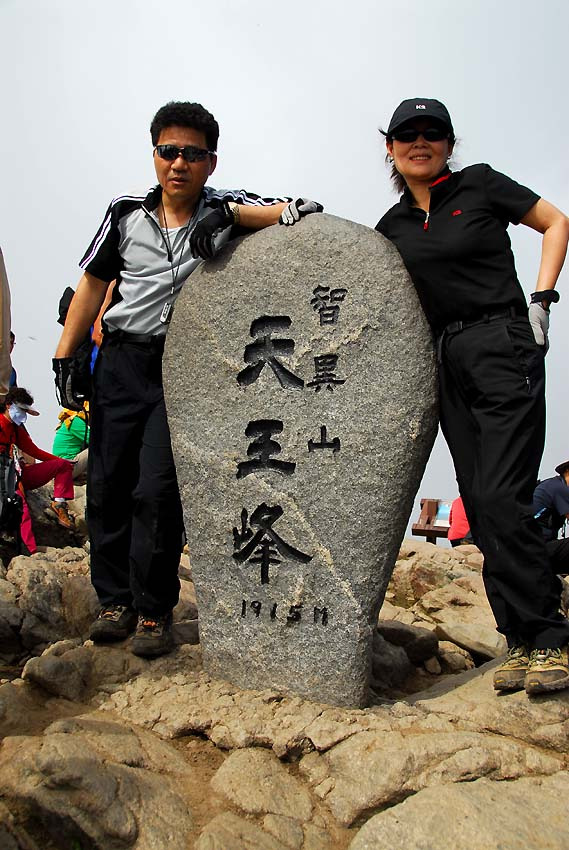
pixel 396 178
pixel 17 395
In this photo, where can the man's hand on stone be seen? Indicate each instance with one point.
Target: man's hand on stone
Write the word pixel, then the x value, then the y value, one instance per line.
pixel 68 390
pixel 202 238
pixel 298 209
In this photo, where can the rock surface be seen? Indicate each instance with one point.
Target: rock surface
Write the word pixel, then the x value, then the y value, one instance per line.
pixel 481 815
pixel 300 386
pixel 86 778
pixel 230 831
pixel 84 761
pixel 257 782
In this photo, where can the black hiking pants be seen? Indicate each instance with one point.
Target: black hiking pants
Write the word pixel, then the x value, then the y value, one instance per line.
pixel 492 400
pixel 133 503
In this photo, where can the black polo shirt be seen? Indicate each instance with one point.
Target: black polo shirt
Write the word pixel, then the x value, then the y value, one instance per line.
pixel 553 495
pixel 459 256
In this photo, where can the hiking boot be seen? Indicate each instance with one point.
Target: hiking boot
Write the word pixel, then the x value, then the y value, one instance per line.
pixel 510 676
pixel 153 636
pixel 115 622
pixel 64 518
pixel 548 671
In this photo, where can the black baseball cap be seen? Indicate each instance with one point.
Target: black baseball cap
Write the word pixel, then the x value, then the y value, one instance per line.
pixel 562 467
pixel 420 107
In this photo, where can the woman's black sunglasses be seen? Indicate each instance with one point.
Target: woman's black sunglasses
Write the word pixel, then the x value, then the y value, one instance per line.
pixel 189 153
pixel 430 134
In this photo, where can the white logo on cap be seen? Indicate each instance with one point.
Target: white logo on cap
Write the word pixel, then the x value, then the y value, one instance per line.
pixel 420 106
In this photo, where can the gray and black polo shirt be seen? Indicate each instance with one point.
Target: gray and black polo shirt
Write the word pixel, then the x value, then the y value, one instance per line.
pixel 130 247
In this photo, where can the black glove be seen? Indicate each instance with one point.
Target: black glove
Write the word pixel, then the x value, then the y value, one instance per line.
pixel 298 209
pixel 202 237
pixel 72 384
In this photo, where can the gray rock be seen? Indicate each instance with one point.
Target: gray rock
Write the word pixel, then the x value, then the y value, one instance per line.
pixel 186 631
pixel 66 676
pixel 100 783
pixel 12 835
pixel 481 815
pixel 287 830
pixel 477 640
pixel 378 769
pixel 256 782
pixel 54 595
pixel 453 658
pixel 296 489
pixel 419 644
pixel 230 832
pixel 10 621
pixel 390 664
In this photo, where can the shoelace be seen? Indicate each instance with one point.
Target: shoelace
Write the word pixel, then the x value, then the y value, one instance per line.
pixel 516 651
pixel 110 613
pixel 542 655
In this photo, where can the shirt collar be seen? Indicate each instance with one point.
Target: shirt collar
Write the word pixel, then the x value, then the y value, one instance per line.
pixel 441 181
pixel 154 197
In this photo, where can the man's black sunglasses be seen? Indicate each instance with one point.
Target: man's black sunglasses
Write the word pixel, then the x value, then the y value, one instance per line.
pixel 189 153
pixel 430 134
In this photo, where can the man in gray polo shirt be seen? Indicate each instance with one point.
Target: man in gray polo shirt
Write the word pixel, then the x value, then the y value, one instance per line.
pixel 149 245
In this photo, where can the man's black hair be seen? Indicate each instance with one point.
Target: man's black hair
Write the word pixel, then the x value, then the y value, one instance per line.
pixel 16 395
pixel 184 114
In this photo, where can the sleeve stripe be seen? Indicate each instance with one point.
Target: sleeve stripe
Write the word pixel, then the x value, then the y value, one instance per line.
pixel 249 198
pixel 104 228
pixel 99 238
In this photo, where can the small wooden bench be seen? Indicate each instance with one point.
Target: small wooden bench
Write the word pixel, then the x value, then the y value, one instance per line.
pixel 430 524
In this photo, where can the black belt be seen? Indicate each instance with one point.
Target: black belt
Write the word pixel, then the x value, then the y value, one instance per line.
pixel 457 327
pixel 151 340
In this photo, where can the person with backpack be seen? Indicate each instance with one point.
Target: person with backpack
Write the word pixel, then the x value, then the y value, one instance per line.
pixel 71 440
pixel 17 405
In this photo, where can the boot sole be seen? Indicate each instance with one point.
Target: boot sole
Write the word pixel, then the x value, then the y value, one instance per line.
pixel 149 651
pixel 517 686
pixel 541 688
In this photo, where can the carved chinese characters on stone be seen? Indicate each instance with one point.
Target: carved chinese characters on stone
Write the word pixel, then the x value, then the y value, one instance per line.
pixel 263 545
pixel 299 382
pixel 262 449
pixel 266 351
pixel 327 302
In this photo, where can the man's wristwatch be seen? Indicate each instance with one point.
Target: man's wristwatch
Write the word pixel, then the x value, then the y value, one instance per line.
pixel 236 211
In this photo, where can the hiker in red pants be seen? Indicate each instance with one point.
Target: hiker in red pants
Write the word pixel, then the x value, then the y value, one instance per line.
pixel 17 405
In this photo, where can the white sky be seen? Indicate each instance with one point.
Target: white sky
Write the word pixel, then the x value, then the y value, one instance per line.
pixel 299 89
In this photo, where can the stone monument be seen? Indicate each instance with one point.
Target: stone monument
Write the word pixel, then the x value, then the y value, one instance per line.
pixel 300 386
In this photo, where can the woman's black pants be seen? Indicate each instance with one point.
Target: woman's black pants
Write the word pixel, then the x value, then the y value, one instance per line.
pixel 492 400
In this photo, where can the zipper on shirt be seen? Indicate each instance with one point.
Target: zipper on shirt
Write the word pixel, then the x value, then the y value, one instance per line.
pixel 149 215
pixel 426 222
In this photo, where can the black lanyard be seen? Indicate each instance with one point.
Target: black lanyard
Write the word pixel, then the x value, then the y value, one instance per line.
pixel 170 252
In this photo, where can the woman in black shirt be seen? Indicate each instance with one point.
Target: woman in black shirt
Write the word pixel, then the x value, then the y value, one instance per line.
pixel 451 231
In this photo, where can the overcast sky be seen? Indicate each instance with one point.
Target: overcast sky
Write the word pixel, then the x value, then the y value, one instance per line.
pixel 299 89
